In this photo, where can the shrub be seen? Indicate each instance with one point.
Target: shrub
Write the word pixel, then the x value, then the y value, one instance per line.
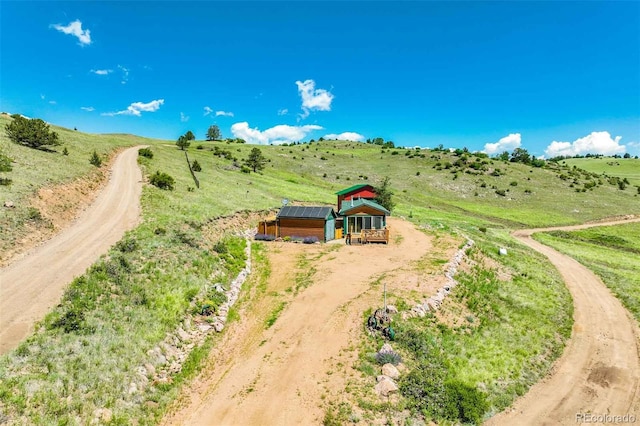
pixel 145 152
pixel 127 245
pixel 5 181
pixel 196 166
pixel 32 133
pixel 264 237
pixel 482 229
pixel 200 147
pixel 245 169
pixel 501 192
pixel 95 159
pixel 5 163
pixel 310 240
pixel 514 183
pixel 465 403
pixel 162 180
pixel 65 151
pixel 390 357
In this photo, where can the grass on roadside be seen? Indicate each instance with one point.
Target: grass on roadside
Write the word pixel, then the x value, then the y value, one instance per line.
pixel 612 252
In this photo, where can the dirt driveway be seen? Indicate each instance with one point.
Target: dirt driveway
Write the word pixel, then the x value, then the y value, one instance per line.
pixel 599 371
pixel 280 376
pixel 32 285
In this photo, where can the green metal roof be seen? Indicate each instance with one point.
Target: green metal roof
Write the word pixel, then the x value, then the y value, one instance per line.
pixel 347 206
pixel 352 188
pixel 303 212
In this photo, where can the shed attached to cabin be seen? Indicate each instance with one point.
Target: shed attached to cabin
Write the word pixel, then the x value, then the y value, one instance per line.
pixel 302 221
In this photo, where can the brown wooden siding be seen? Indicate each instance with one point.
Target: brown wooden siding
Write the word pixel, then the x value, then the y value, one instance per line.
pixel 289 227
pixel 267 227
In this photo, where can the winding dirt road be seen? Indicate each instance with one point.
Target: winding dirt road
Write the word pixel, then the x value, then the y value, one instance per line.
pixel 599 371
pixel 32 285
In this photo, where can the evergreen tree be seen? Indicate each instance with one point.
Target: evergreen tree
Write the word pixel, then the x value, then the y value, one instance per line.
pixel 384 194
pixel 256 160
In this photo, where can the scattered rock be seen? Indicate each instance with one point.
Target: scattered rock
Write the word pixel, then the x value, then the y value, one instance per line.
pixel 390 371
pixel 502 251
pixel 9 204
pixel 391 309
pixel 385 348
pixel 386 387
pixel 151 370
pixel 103 415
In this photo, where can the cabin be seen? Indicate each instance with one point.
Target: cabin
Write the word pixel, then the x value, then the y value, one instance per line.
pixel 364 221
pixel 362 191
pixel 302 221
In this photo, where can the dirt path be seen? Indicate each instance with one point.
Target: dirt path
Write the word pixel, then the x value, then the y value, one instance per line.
pixel 599 371
pixel 280 376
pixel 32 285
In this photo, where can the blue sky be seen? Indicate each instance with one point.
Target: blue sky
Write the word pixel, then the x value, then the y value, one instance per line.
pixel 552 77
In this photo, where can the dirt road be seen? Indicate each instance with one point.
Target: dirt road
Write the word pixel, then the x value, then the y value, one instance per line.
pixel 599 372
pixel 32 285
pixel 281 375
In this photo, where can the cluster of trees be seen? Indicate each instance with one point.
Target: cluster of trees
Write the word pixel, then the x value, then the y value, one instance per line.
pixel 521 155
pixel 381 142
pixel 184 141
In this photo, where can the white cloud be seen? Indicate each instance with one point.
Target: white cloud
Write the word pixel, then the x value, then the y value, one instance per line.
pixel 224 114
pixel 207 111
pixel 90 108
pixel 52 102
pixel 42 96
pixel 184 118
pixel 102 72
pixel 75 29
pixel 346 136
pixel 313 99
pixel 595 143
pixel 505 144
pixel 125 74
pixel 283 111
pixel 276 135
pixel 137 108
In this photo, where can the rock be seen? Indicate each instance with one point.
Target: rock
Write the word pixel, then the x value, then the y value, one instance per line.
pixel 9 204
pixel 151 370
pixel 204 327
pixel 133 388
pixel 218 326
pixel 390 371
pixel 183 335
pixel 382 377
pixel 385 348
pixel 386 387
pixel 103 415
pixel 502 251
pixel 392 309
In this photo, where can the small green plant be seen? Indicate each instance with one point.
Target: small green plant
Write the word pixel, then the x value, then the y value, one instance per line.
pixel 65 151
pixel 245 169
pixel 95 159
pixel 514 183
pixel 5 181
pixel 145 152
pixel 196 166
pixel 482 229
pixel 390 357
pixel 501 192
pixel 162 180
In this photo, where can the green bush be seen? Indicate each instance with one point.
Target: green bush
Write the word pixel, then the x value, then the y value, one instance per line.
pixel 162 180
pixel 196 166
pixel 145 152
pixel 5 181
pixel 95 159
pixel 245 169
pixel 32 133
pixel 514 183
pixel 65 151
pixel 5 163
pixel 501 192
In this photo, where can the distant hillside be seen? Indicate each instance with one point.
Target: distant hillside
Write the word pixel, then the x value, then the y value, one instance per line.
pixel 623 167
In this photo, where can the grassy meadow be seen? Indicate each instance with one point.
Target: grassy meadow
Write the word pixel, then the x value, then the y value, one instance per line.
pixel 623 167
pixel 85 352
pixel 612 252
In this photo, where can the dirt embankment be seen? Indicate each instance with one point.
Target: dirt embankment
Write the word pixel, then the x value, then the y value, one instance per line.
pixel 599 371
pixel 34 283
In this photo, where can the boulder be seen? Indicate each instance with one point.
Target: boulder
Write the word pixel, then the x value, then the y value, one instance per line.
pixel 392 309
pixel 390 371
pixel 386 387
pixel 9 204
pixel 386 348
pixel 502 251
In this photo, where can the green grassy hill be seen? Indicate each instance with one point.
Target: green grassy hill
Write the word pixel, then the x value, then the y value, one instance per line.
pixel 623 167
pixel 126 303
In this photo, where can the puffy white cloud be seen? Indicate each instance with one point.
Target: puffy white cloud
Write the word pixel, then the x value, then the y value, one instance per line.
pixel 283 111
pixel 184 118
pixel 137 108
pixel 595 143
pixel 102 72
pixel 75 29
pixel 345 136
pixel 507 143
pixel 313 99
pixel 224 114
pixel 89 108
pixel 207 111
pixel 276 135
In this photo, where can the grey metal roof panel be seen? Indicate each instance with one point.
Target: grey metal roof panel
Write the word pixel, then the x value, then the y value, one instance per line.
pixel 304 212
